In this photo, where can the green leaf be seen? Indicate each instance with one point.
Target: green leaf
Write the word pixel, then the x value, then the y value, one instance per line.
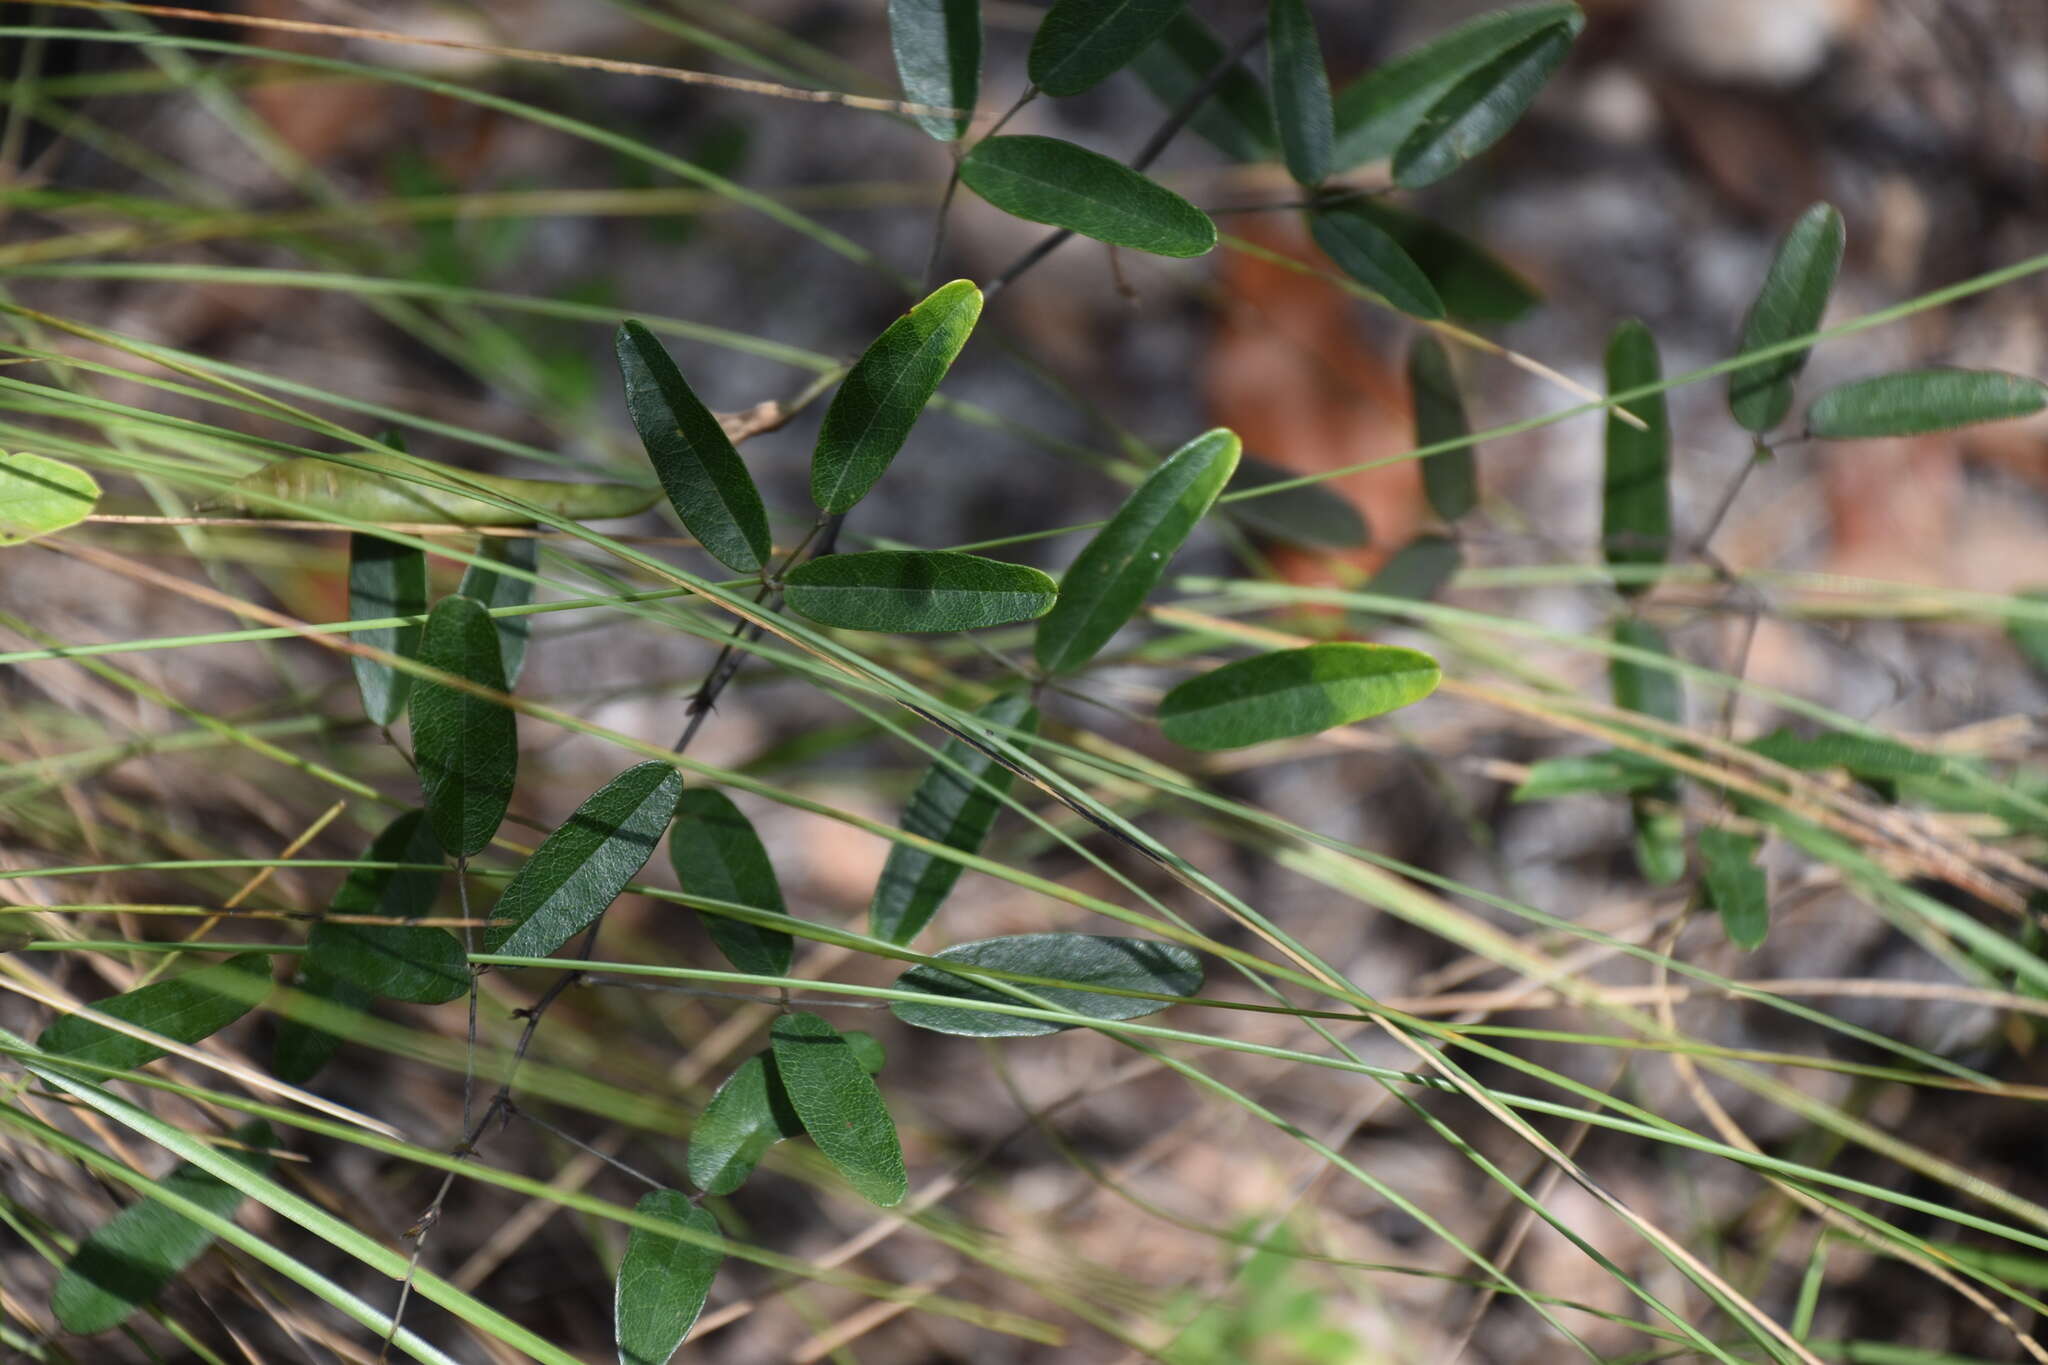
pixel 1914 402
pixel 1451 479
pixel 751 1113
pixel 128 1260
pixel 917 591
pixel 299 1049
pixel 183 1009
pixel 955 803
pixel 1115 572
pixel 1301 91
pixel 884 392
pixel 1736 885
pixel 1790 304
pixel 1645 688
pixel 1364 250
pixel 938 58
pixel 1377 112
pixel 17 931
pixel 1862 755
pixel 840 1106
pixel 581 867
pixel 1659 842
pixel 1308 514
pixel 1418 571
pixel 663 1281
pixel 2029 635
pixel 1086 960
pixel 1294 692
pixel 1045 180
pixel 494 590
pixel 39 495
pixel 467 746
pixel 418 963
pixel 702 474
pixel 1480 109
pixel 1635 506
pixel 1474 286
pixel 1237 118
pixel 717 855
pixel 1615 770
pixel 1081 43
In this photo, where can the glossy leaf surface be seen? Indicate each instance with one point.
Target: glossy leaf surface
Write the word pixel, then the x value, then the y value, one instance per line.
pixel 184 1009
pixel 580 868
pixel 1790 304
pixel 717 855
pixel 1450 480
pixel 937 45
pixel 1915 402
pixel 840 1105
pixel 39 495
pixel 467 746
pixel 1301 91
pixel 1045 180
pixel 1081 43
pixel 918 591
pixel 494 589
pixel 751 1113
pixel 1294 692
pixel 1635 501
pixel 1364 250
pixel 1480 109
pixel 663 1281
pixel 1128 964
pixel 1736 885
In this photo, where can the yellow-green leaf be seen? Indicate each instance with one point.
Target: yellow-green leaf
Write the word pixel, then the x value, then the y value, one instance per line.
pixel 1294 692
pixel 918 591
pixel 39 495
pixel 1914 402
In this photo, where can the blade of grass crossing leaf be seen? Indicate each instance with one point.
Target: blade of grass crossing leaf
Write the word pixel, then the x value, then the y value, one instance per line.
pixel 1309 514
pixel 1237 119
pixel 1644 688
pixel 955 803
pixel 751 1113
pixel 2029 634
pixel 841 1106
pixel 39 495
pixel 1659 842
pixel 299 1050
pixel 706 482
pixel 385 579
pixel 1736 886
pixel 581 867
pixel 1081 43
pixel 1635 506
pixel 1617 770
pixel 663 1281
pixel 1450 479
pixel 423 964
pixel 126 1261
pixel 1377 112
pixel 937 45
pixel 1914 402
pixel 496 590
pixel 1364 250
pixel 1294 692
pixel 1118 569
pixel 917 591
pixel 184 1009
pixel 467 746
pixel 1045 180
pixel 1480 109
pixel 1301 91
pixel 717 855
pixel 1794 295
pixel 1474 286
pixel 1418 571
pixel 885 391
pixel 1128 964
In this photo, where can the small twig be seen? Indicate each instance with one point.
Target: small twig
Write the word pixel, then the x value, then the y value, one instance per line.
pixel 514 1111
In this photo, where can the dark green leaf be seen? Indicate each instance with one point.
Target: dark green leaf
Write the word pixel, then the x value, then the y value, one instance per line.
pixel 39 495
pixel 17 931
pixel 955 803
pixel 1294 692
pixel 749 1114
pixel 2029 634
pixel 401 893
pixel 1362 249
pixel 1863 755
pixel 581 868
pixel 1045 180
pixel 1659 842
pixel 1236 119
pixel 1475 287
pixel 1736 885
pixel 183 1009
pixel 1085 960
pixel 1377 112
pixel 717 855
pixel 1645 688
pixel 421 964
pixel 1308 514
pixel 1790 304
pixel 918 591
pixel 702 474
pixel 840 1105
pixel 505 590
pixel 1616 770
pixel 300 1049
pixel 1450 479
pixel 1914 402
pixel 1480 109
pixel 1081 43
pixel 884 392
pixel 128 1260
pixel 663 1281
pixel 938 59
pixel 384 579
pixel 467 746
pixel 1635 507
pixel 1110 580
pixel 1418 571
pixel 1301 91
